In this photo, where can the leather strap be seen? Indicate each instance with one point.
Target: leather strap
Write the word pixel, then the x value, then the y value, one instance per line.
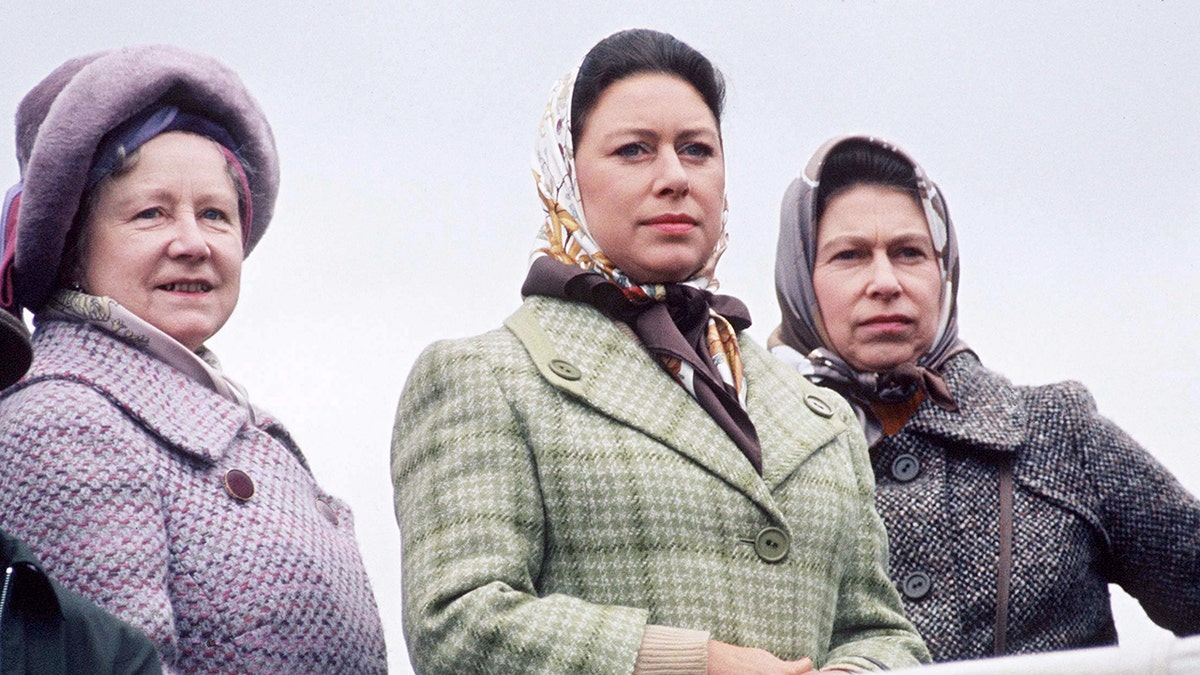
pixel 1004 564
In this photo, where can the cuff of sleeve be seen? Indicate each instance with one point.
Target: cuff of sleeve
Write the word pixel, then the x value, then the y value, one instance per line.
pixel 666 649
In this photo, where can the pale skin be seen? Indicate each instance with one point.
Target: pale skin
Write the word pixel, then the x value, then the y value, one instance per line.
pixel 651 177
pixel 876 277
pixel 164 239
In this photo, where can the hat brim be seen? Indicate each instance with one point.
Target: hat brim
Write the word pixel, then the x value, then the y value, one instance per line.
pixel 73 110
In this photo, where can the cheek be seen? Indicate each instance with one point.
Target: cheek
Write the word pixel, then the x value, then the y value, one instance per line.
pixel 833 301
pixel 230 260
pixel 99 258
pixel 930 301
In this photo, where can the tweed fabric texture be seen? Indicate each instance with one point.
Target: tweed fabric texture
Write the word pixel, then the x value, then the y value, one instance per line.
pixel 111 469
pixel 545 523
pixel 1091 508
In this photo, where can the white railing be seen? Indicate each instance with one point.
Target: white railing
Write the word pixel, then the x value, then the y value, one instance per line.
pixel 1151 657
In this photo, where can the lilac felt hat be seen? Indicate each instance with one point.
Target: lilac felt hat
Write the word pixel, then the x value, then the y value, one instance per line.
pixel 60 125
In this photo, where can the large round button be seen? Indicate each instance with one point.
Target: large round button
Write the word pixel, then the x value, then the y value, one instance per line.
pixel 905 467
pixel 564 370
pixel 916 585
pixel 818 405
pixel 239 485
pixel 772 544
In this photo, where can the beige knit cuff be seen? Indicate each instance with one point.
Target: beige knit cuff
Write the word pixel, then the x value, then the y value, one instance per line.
pixel 675 651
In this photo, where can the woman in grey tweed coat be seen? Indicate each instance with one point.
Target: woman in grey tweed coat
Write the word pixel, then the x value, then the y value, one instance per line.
pixel 617 481
pixel 1009 509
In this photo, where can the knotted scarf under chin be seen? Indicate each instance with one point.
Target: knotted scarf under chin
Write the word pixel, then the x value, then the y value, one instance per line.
pixel 674 328
pixel 892 386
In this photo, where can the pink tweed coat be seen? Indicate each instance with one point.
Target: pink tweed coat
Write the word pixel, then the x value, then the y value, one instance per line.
pixel 113 467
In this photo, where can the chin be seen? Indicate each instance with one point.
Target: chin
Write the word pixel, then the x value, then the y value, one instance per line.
pixel 664 273
pixel 882 363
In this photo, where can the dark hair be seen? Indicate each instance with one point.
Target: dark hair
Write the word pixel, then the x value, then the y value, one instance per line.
pixel 640 50
pixel 860 162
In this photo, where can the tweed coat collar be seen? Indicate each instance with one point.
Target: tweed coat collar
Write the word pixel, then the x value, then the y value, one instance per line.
pixel 608 370
pixel 991 414
pixel 181 413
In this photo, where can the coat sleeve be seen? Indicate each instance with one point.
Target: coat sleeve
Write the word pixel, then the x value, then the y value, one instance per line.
pixel 470 513
pixel 870 630
pixel 78 484
pixel 1151 520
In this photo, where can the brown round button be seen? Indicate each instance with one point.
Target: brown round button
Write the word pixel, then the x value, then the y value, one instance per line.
pixel 326 510
pixel 239 485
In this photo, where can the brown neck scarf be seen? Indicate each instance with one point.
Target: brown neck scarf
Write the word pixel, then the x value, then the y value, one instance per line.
pixel 675 329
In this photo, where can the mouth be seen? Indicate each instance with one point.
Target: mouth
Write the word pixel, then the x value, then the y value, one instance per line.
pixel 672 223
pixel 888 322
pixel 186 287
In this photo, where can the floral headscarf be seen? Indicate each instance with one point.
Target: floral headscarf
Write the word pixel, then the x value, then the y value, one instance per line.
pixel 564 238
pixel 803 329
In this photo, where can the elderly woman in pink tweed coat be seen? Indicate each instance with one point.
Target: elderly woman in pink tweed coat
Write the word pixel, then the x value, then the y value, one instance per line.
pixel 132 465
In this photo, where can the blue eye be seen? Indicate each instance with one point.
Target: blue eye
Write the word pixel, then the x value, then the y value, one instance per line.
pixel 213 214
pixel 149 214
pixel 697 150
pixel 630 150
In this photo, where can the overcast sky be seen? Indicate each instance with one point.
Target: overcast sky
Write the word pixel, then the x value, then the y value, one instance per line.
pixel 1064 135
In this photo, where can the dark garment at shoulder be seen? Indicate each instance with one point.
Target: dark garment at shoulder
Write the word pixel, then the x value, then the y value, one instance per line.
pixel 47 629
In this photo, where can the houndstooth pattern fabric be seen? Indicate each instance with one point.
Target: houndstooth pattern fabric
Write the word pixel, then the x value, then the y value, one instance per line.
pixel 1091 508
pixel 111 468
pixel 543 529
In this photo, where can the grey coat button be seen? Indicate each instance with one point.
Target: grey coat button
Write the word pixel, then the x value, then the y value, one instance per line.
pixel 916 585
pixel 905 467
pixel 772 544
pixel 818 405
pixel 565 370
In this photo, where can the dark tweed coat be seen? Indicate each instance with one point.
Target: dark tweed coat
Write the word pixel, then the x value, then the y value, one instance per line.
pixel 1091 508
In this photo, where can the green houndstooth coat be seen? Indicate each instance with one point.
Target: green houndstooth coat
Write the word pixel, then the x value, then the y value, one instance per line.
pixel 558 491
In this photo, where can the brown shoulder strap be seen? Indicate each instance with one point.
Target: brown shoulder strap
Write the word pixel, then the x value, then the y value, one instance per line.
pixel 1004 564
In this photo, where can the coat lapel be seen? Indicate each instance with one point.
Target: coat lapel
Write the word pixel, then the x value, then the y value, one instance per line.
pixel 181 413
pixel 991 414
pixel 611 372
pixel 793 417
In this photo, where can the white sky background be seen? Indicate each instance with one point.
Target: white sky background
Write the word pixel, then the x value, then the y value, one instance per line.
pixel 1065 135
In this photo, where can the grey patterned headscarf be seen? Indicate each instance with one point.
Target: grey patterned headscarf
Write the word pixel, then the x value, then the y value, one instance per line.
pixel 803 331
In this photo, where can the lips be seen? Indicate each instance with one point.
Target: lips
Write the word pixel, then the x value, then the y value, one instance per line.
pixel 672 223
pixel 888 322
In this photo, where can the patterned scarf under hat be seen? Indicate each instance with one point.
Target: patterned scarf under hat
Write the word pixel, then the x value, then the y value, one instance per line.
pixel 801 339
pixel 691 331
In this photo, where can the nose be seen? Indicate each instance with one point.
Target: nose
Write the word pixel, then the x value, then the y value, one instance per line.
pixel 883 281
pixel 187 239
pixel 672 179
